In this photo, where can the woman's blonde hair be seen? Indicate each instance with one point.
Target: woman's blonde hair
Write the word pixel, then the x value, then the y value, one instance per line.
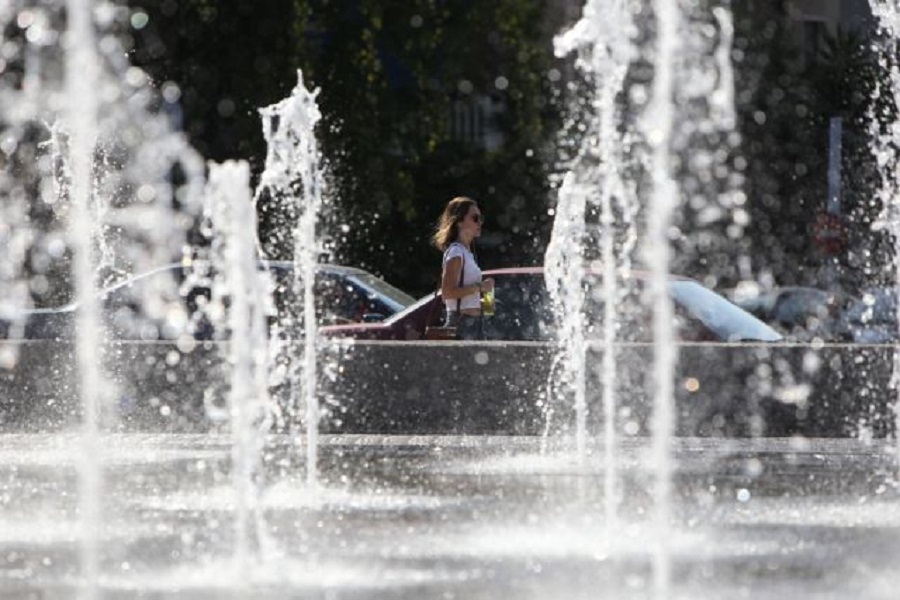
pixel 454 213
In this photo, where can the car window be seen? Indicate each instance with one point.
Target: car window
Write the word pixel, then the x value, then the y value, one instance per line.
pixel 339 300
pixel 340 297
pixel 161 305
pixel 289 303
pixel 522 309
pixel 876 306
pixel 633 320
pixel 634 315
pixel 524 312
pixel 415 308
pixel 386 294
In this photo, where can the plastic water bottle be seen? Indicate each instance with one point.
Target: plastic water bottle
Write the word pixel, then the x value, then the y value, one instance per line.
pixel 487 303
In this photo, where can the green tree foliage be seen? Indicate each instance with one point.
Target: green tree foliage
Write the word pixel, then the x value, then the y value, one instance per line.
pixel 785 100
pixel 782 146
pixel 393 77
pixel 397 82
pixel 228 58
pixel 848 80
pixel 399 79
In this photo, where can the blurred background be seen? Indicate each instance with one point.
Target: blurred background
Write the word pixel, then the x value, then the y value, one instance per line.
pixel 423 100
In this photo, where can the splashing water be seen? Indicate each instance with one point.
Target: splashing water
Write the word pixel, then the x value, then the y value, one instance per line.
pixel 597 187
pixel 885 148
pixel 239 279
pixel 658 129
pixel 81 86
pixel 294 173
pixel 689 105
pixel 565 267
pixel 86 150
pixel 131 189
pixel 602 38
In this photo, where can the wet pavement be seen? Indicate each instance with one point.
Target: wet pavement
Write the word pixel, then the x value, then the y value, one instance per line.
pixel 454 517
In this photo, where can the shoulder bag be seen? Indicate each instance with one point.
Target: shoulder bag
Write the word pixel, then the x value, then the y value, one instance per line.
pixel 443 332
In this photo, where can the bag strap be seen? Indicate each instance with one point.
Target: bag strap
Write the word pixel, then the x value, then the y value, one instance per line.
pixel 462 272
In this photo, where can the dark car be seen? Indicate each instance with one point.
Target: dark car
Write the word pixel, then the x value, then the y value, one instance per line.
pixel 163 353
pixel 163 304
pixel 802 312
pixel 513 382
pixel 872 319
pixel 524 312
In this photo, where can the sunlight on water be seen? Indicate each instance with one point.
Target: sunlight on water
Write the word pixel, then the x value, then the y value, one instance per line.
pixel 884 146
pixel 104 187
pixel 294 176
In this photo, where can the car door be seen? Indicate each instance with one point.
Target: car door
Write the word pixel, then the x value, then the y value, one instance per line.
pixel 522 310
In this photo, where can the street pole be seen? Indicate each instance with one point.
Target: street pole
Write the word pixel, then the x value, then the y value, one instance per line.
pixel 833 205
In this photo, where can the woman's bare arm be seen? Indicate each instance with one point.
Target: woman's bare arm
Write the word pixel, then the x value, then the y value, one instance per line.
pixel 450 288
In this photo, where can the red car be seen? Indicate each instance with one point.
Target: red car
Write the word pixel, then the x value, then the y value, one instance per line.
pixel 524 312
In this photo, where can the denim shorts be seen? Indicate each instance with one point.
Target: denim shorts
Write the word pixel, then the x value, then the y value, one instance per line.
pixel 470 327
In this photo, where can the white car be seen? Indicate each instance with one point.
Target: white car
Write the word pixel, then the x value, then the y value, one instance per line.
pixel 163 303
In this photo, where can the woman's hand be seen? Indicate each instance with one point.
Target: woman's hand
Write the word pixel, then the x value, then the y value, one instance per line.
pixel 487 285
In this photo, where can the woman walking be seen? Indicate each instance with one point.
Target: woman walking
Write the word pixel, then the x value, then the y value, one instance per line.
pixel 461 282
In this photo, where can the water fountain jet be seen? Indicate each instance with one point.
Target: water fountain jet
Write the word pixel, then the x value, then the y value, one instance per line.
pixel 294 171
pixel 453 515
pixel 81 83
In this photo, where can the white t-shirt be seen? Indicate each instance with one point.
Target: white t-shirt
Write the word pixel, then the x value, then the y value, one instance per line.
pixel 471 276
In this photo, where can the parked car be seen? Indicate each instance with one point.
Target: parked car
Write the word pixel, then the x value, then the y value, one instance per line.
pixel 515 385
pixel 524 312
pixel 801 312
pixel 872 319
pixel 162 304
pixel 166 372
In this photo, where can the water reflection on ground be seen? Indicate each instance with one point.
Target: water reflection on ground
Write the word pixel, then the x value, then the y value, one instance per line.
pixel 455 517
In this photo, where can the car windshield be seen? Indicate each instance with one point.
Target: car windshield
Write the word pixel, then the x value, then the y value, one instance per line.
pixel 523 309
pixel 727 321
pixel 759 305
pixel 412 309
pixel 524 312
pixel 389 293
pixel 342 296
